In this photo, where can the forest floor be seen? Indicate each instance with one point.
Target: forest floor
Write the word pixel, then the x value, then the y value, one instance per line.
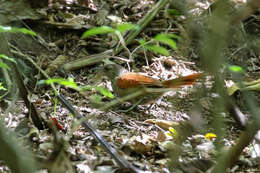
pixel 140 135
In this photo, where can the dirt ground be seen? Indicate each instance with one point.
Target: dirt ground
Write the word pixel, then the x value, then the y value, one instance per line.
pixel 141 135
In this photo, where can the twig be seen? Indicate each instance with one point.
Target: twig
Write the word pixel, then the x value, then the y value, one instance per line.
pixel 96 58
pixel 120 161
pixel 231 155
pixel 86 61
pixel 142 23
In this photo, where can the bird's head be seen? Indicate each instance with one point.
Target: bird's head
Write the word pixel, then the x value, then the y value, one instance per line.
pixel 112 71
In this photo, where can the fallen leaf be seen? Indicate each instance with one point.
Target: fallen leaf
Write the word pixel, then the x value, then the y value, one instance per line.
pixel 164 124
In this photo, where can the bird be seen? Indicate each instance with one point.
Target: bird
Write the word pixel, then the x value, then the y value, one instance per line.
pixel 125 83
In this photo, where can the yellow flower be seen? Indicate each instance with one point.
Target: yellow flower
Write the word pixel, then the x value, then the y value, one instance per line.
pixel 210 136
pixel 172 132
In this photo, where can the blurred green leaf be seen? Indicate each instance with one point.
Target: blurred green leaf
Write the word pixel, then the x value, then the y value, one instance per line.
pixel 235 68
pixel 173 36
pixel 142 42
pixel 126 26
pixel 7 58
pixel 104 92
pixel 166 40
pixel 158 49
pixel 25 31
pixel 15 152
pixel 173 12
pixel 65 82
pixel 2 87
pixel 4 65
pixel 16 30
pixel 97 30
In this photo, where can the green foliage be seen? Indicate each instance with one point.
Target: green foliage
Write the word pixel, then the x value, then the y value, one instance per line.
pixel 7 58
pixel 158 49
pixel 235 68
pixel 2 87
pixel 71 84
pixel 126 27
pixel 167 39
pixel 162 38
pixel 103 91
pixel 15 154
pixel 13 30
pixel 16 30
pixel 97 30
pixel 4 65
pixel 173 12
pixel 107 29
pixel 61 81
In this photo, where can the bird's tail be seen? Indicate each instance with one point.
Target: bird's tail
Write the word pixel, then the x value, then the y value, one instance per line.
pixel 181 81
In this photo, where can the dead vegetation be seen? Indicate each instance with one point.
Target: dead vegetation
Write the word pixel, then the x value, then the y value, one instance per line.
pixel 206 127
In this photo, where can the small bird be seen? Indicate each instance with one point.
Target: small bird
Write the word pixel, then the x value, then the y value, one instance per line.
pixel 125 83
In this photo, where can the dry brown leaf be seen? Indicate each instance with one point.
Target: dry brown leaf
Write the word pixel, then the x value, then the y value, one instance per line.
pixel 164 124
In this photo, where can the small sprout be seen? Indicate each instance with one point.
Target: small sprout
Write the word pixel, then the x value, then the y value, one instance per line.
pixel 166 39
pixel 158 49
pixel 97 30
pixel 107 29
pixel 65 82
pixel 126 26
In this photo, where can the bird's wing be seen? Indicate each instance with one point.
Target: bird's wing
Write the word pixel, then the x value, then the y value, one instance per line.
pixel 131 80
pixel 181 81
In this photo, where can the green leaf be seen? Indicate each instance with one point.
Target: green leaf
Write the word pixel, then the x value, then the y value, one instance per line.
pixel 25 31
pixel 2 87
pixel 158 49
pixel 7 58
pixel 235 68
pixel 4 65
pixel 142 42
pixel 173 12
pixel 65 82
pixel 126 26
pixel 97 30
pixel 173 36
pixel 104 92
pixel 166 40
pixel 17 30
